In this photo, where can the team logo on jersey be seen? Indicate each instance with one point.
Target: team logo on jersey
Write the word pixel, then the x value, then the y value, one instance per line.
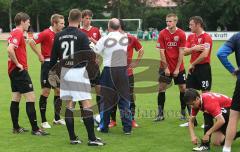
pixel 199 40
pixel 95 35
pixel 207 45
pixel 15 41
pixel 176 38
pixel 35 36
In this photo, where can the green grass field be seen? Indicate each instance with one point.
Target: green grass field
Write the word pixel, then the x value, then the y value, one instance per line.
pixel 164 136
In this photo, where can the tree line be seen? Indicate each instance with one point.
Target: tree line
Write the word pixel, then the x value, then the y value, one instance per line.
pixel 216 13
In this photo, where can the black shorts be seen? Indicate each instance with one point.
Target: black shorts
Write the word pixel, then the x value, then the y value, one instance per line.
pixel 20 81
pixel 45 68
pixel 225 113
pixel 180 79
pixel 236 97
pixel 96 80
pixel 200 78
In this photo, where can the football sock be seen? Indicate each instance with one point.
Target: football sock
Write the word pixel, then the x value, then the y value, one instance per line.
pixel 113 113
pixel 43 106
pixel 14 110
pixel 98 102
pixel 31 112
pixel 132 106
pixel 183 104
pixel 161 101
pixel 70 123
pixel 57 107
pixel 89 123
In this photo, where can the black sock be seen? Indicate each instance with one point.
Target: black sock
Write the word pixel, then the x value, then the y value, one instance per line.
pixel 237 135
pixel 89 123
pixel 42 107
pixel 132 106
pixel 113 113
pixel 31 112
pixel 14 110
pixel 57 107
pixel 161 101
pixel 98 98
pixel 183 104
pixel 70 123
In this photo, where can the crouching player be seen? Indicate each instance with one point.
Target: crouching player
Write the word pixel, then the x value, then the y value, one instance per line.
pixel 214 106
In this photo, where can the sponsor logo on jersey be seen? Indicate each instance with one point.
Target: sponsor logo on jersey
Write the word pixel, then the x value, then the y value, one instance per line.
pixel 171 44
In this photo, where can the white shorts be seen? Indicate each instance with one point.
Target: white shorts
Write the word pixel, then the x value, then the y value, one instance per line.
pixel 75 84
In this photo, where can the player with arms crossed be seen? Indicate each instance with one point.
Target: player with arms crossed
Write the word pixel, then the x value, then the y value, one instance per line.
pixel 46 38
pixel 74 81
pixel 171 43
pixel 214 106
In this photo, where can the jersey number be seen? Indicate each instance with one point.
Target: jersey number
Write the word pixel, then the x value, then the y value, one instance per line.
pixel 67 46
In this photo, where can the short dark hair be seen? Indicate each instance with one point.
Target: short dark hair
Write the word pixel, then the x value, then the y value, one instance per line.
pixel 55 18
pixel 190 95
pixel 87 12
pixel 21 16
pixel 114 25
pixel 197 20
pixel 75 15
pixel 122 24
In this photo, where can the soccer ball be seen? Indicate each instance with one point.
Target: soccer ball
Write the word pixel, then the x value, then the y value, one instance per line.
pixel 97 119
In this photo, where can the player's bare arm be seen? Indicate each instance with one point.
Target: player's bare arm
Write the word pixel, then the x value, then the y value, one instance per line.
pixel 163 59
pixel 139 57
pixel 194 138
pixel 201 57
pixel 220 121
pixel 36 50
pixel 12 56
pixel 197 48
pixel 180 59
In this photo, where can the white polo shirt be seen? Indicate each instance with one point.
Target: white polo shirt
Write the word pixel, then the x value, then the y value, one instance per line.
pixel 113 49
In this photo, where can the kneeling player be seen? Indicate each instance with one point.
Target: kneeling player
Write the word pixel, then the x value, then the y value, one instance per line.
pixel 213 105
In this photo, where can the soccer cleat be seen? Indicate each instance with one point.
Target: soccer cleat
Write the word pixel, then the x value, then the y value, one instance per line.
pixel 45 125
pixel 59 122
pixel 184 125
pixel 201 148
pixel 112 124
pixel 127 132
pixel 183 118
pixel 75 141
pixel 159 118
pixel 40 132
pixel 97 142
pixel 134 124
pixel 20 130
pixel 102 131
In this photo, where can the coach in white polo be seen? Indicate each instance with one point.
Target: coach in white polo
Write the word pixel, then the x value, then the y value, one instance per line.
pixel 114 78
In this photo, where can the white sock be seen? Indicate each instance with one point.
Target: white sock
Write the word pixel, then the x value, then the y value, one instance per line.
pixel 226 149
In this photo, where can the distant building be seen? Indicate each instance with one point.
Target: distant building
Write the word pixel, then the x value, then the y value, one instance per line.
pixel 161 3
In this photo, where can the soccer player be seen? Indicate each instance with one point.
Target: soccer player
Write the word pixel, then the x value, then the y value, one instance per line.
pixel 214 106
pixel 21 83
pixel 199 46
pixel 230 46
pixel 74 78
pixel 134 44
pixel 94 35
pixel 114 80
pixel 46 38
pixel 171 43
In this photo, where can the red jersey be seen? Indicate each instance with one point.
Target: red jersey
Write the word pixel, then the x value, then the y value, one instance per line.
pixel 193 40
pixel 133 44
pixel 171 42
pixel 92 32
pixel 212 103
pixel 46 39
pixel 17 39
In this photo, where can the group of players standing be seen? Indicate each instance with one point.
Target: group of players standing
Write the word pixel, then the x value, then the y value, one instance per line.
pixel 57 44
